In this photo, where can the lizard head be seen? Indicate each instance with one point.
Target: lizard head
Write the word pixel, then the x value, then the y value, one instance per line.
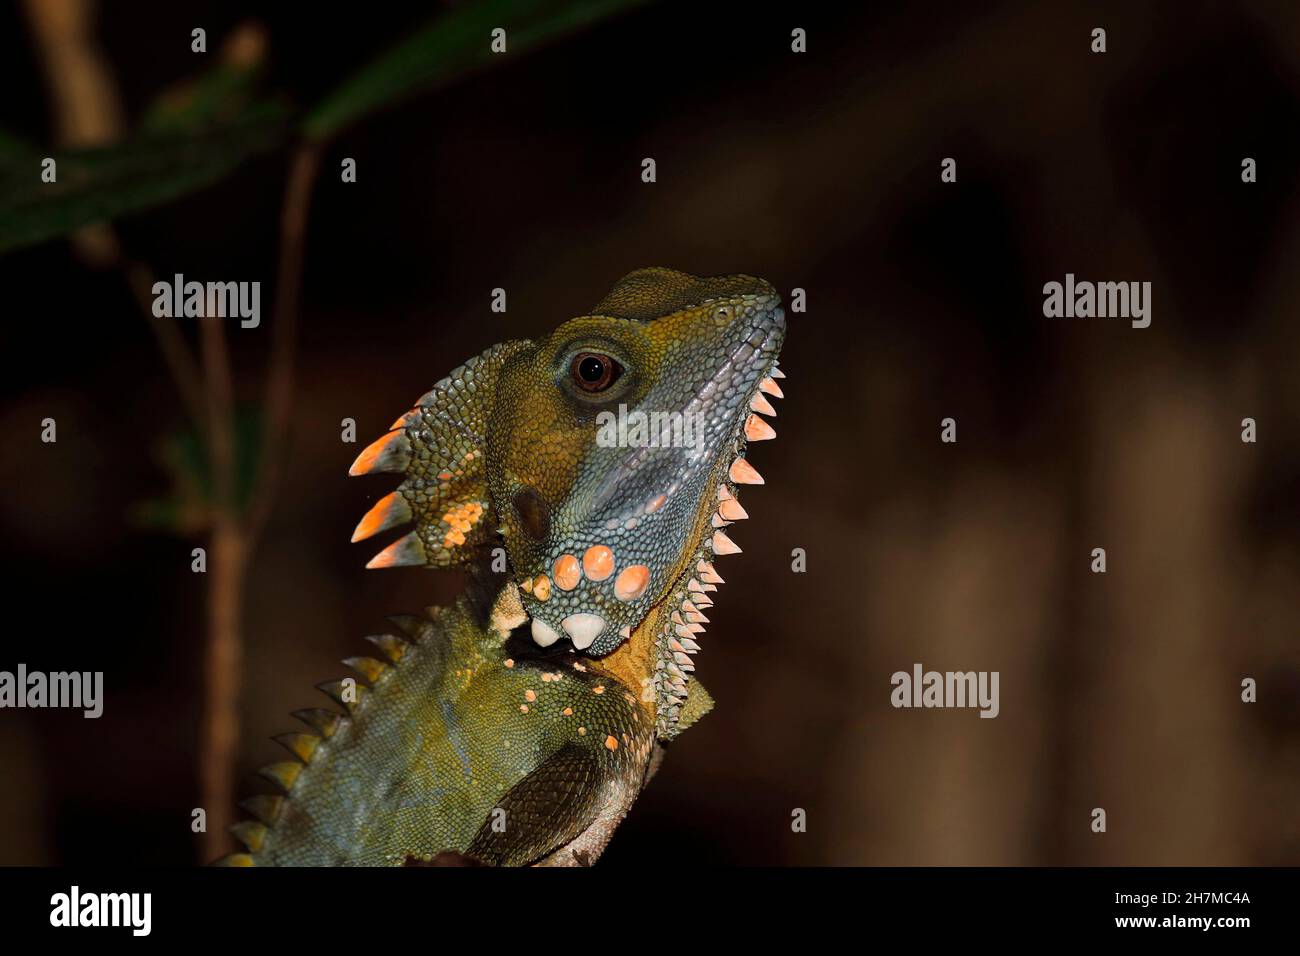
pixel 617 432
pixel 606 455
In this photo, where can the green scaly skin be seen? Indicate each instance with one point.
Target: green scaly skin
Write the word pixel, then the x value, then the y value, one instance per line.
pixel 518 725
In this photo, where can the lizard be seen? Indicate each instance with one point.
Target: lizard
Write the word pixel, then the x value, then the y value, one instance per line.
pixel 517 725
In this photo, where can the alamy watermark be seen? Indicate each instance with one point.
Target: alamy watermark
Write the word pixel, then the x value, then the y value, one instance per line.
pixel 1085 300
pixel 922 688
pixel 81 690
pixel 130 910
pixel 218 300
pixel 649 429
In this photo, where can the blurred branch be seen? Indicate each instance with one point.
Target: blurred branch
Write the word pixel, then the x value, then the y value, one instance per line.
pixel 176 352
pixel 219 735
pixel 87 109
pixel 235 533
pixel 284 332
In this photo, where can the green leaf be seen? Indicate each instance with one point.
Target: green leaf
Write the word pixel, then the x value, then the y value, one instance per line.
pixel 448 48
pixel 218 95
pixel 102 184
pixel 188 507
pixel 12 146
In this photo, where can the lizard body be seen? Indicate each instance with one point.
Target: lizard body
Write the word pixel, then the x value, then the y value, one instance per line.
pixel 518 725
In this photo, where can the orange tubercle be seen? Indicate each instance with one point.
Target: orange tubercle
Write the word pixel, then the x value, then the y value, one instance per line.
pixel 567 572
pixel 631 582
pixel 598 563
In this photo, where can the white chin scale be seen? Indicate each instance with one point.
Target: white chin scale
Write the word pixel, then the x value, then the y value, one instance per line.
pixel 582 629
pixel 543 633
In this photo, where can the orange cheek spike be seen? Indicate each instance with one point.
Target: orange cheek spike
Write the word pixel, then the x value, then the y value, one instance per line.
pixel 388 512
pixel 390 453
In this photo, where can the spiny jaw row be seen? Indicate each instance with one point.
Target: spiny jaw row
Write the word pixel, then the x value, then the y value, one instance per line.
pixel 679 639
pixel 599 563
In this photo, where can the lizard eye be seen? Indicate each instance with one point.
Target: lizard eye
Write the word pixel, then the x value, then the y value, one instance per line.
pixel 594 371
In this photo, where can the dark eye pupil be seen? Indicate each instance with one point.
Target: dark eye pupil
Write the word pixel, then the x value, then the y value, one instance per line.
pixel 594 371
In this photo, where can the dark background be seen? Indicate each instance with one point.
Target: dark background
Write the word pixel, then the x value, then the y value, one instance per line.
pixel 818 171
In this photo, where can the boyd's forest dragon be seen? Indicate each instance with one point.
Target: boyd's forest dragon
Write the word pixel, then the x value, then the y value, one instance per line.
pixel 518 725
